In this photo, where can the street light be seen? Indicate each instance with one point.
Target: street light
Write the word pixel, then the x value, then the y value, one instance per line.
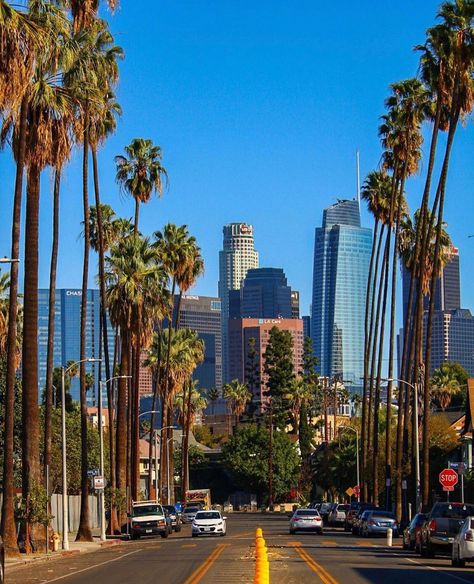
pixel 416 438
pixel 64 370
pixel 9 260
pixel 357 456
pixel 101 442
pixel 169 465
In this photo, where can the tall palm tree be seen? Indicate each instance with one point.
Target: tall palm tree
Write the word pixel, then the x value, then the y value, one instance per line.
pixel 237 395
pixel 444 386
pixel 141 172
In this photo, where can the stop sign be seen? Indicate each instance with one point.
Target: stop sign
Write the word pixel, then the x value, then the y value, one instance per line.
pixel 448 479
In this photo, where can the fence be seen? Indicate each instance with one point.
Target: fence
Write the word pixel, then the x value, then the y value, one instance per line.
pixel 74 505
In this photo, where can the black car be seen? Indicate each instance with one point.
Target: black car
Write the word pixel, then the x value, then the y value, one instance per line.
pixel 411 533
pixel 174 516
pixel 441 526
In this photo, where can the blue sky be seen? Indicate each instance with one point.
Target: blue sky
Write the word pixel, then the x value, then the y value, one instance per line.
pixel 259 108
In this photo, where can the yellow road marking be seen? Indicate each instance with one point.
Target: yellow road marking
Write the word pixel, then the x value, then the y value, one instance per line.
pixel 188 545
pixel 324 576
pixel 294 543
pixel 198 574
pixel 328 542
pixel 237 535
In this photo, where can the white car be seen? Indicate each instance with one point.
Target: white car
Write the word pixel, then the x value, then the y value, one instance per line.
pixel 338 515
pixel 306 520
pixel 463 544
pixel 208 523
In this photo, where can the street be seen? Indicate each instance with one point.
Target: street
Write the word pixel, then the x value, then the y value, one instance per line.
pixel 334 557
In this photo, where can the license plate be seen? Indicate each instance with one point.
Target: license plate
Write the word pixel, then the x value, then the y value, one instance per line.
pixel 148 530
pixel 207 529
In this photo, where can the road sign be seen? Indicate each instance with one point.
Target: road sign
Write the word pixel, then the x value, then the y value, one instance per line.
pixel 448 479
pixel 99 483
pixel 93 472
pixel 356 490
pixel 460 467
pixel 350 491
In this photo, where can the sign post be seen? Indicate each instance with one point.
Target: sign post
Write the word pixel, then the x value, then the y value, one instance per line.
pixel 448 479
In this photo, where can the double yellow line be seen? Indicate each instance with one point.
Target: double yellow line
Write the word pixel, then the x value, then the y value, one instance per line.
pixel 204 567
pixel 324 576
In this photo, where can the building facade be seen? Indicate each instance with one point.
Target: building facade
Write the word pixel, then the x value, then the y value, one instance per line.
pixel 235 259
pixel 67 335
pixel 341 264
pixel 265 294
pixel 244 329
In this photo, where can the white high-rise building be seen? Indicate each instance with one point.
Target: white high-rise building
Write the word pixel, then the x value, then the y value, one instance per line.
pixel 236 258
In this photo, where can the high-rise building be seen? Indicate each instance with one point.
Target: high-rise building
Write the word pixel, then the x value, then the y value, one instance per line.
pixel 67 334
pixel 265 294
pixel 295 304
pixel 235 259
pixel 341 263
pixel 306 326
pixel 242 330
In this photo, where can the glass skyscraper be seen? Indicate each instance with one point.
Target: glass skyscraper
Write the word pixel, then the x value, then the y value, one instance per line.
pixel 265 294
pixel 341 264
pixel 67 334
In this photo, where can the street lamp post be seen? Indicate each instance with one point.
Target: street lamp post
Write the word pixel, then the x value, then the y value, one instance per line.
pixel 101 450
pixel 65 510
pixel 414 386
pixel 9 261
pixel 357 456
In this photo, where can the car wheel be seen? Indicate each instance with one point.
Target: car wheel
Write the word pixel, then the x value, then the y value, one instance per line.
pixel 135 536
pixel 223 534
pixel 164 534
pixel 461 561
pixel 194 534
pixel 292 532
pixel 404 544
pixel 177 528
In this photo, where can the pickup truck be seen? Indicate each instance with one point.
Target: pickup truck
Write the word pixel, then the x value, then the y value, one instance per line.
pixel 441 526
pixel 149 518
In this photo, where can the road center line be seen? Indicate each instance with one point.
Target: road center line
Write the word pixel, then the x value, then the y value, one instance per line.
pixel 323 575
pixel 439 570
pixel 198 574
pixel 95 566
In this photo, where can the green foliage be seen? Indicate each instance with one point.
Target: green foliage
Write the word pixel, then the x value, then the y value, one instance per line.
pixel 35 509
pixel 334 468
pixel 204 436
pixel 252 376
pixel 197 458
pixel 246 456
pixel 279 370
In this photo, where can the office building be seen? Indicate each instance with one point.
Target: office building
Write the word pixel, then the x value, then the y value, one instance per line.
pixel 67 335
pixel 235 259
pixel 265 294
pixel 341 263
pixel 295 304
pixel 306 326
pixel 242 330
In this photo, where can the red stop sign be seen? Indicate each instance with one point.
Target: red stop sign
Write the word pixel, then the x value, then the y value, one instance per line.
pixel 448 478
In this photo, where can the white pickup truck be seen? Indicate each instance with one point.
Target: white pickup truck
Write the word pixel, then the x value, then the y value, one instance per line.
pixel 149 518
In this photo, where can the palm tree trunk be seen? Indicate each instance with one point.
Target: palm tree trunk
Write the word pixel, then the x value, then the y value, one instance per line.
pixel 7 528
pixel 136 426
pixel 30 411
pixel 427 397
pixel 51 323
pixel 137 209
pixel 366 363
pixel 84 532
pixel 121 426
pixel 185 465
pixel 156 385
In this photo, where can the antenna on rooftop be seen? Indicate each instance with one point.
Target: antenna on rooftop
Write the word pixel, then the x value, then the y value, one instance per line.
pixel 358 176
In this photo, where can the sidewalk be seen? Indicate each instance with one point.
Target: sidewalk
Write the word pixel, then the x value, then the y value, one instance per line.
pixel 75 547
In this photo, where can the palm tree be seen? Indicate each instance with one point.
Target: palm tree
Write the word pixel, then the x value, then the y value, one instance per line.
pixel 212 395
pixel 444 386
pixel 237 395
pixel 141 172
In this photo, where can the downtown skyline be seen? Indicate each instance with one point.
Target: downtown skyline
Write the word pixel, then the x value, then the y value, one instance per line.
pixel 317 151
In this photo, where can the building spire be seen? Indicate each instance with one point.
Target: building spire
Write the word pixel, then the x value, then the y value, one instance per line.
pixel 358 176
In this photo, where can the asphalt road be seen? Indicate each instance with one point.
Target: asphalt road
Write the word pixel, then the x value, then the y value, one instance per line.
pixel 335 557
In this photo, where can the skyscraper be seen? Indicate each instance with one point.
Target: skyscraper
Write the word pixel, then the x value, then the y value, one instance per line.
pixel 265 294
pixel 235 259
pixel 67 334
pixel 341 263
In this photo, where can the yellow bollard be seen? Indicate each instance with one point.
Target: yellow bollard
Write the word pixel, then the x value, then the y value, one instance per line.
pixel 258 532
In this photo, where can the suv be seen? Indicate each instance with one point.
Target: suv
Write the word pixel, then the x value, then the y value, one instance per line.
pixel 337 516
pixel 441 526
pixel 149 518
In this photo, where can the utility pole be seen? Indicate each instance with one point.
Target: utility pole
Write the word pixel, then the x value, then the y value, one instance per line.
pixel 270 460
pixel 325 406
pixel 335 406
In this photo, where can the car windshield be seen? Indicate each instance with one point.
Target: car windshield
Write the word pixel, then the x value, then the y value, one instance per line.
pixel 147 510
pixel 170 508
pixel 453 511
pixel 191 509
pixel 307 513
pixel 384 515
pixel 208 515
pixel 343 507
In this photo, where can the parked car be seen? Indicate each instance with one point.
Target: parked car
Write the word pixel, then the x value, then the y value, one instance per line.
pixel 350 515
pixel 441 526
pixel 208 523
pixel 175 517
pixel 189 513
pixel 306 520
pixel 324 511
pixel 463 544
pixel 337 515
pixel 360 515
pixel 149 518
pixel 411 533
pixel 377 523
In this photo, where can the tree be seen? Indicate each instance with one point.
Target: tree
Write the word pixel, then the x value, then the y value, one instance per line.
pixel 246 454
pixel 444 386
pixel 252 377
pixel 141 172
pixel 237 396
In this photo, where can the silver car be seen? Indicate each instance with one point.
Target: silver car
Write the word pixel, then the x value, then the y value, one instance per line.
pixel 306 520
pixel 189 513
pixel 377 523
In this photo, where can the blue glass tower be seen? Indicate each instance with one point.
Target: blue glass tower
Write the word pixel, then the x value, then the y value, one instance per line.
pixel 341 264
pixel 265 294
pixel 67 335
